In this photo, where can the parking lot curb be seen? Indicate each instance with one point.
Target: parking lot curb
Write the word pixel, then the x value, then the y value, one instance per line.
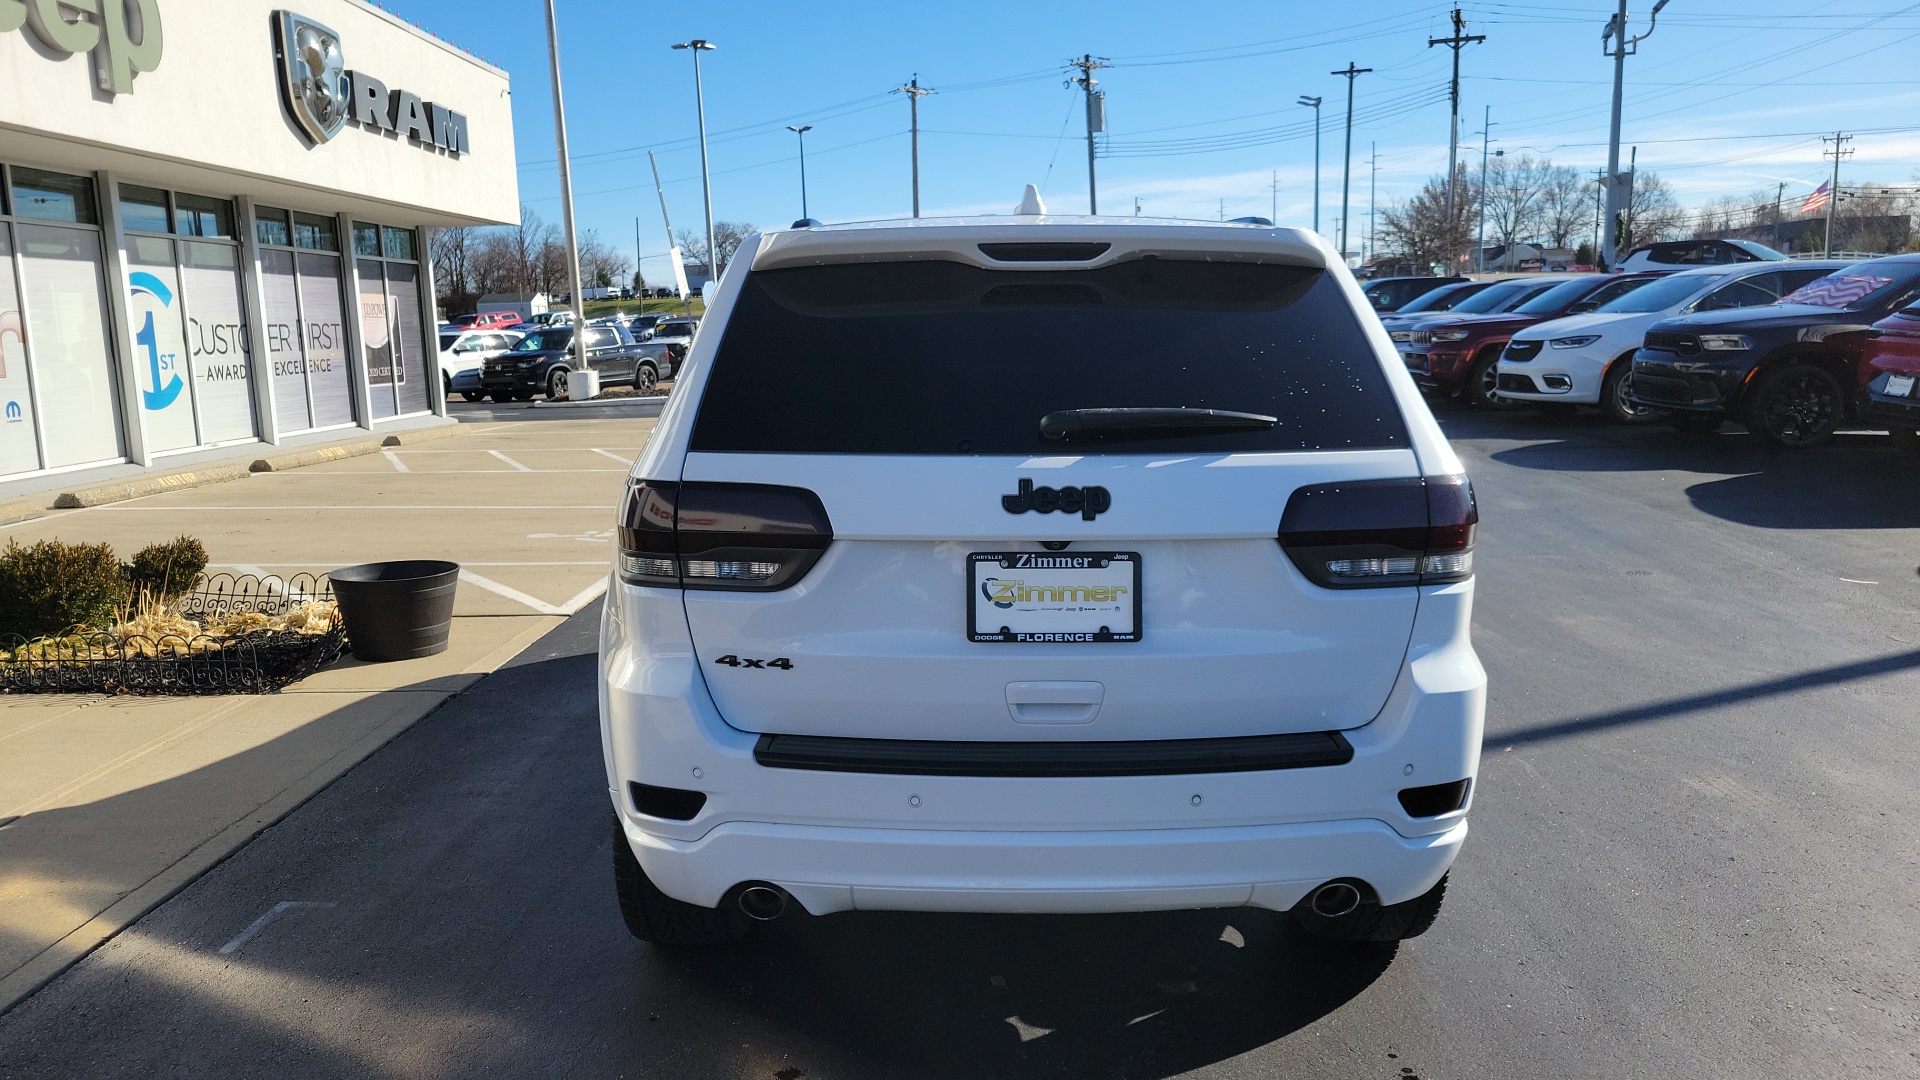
pixel 141 486
pixel 18 510
pixel 372 444
pixel 590 402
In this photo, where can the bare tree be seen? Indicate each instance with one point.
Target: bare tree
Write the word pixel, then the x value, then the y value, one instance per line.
pixel 1566 205
pixel 1653 214
pixel 1418 231
pixel 1513 197
pixel 600 262
pixel 727 235
pixel 452 253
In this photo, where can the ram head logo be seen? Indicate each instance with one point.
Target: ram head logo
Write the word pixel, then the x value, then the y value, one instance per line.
pixel 313 75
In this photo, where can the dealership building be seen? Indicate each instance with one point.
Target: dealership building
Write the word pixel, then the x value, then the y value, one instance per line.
pixel 213 225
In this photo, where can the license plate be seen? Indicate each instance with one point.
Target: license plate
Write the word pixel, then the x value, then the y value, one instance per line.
pixel 1048 597
pixel 1899 386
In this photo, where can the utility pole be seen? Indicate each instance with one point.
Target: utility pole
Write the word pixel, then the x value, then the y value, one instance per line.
pixel 698 46
pixel 1486 140
pixel 1622 47
pixel 1599 193
pixel 1346 166
pixel 1096 116
pixel 1314 104
pixel 1839 151
pixel 566 194
pixel 1777 193
pixel 1274 214
pixel 802 132
pixel 639 278
pixel 1460 40
pixel 1136 206
pixel 915 92
pixel 1373 185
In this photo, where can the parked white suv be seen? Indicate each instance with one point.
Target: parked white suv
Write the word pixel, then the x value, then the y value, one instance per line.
pixel 1586 359
pixel 1040 565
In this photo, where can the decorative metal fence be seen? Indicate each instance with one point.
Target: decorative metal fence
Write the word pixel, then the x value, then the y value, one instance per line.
pixel 247 653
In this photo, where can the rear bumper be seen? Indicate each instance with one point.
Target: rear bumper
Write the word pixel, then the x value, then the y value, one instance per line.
pixel 840 840
pixel 1880 410
pixel 831 869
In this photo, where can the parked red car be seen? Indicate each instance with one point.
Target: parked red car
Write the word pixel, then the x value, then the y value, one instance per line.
pixel 1891 396
pixel 1458 356
pixel 488 320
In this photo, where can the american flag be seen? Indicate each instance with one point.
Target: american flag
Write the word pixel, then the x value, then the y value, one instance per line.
pixel 1818 200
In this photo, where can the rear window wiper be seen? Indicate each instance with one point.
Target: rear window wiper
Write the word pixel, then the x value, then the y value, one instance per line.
pixel 1147 422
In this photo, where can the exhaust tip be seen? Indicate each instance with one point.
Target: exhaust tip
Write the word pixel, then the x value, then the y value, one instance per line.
pixel 763 903
pixel 1334 899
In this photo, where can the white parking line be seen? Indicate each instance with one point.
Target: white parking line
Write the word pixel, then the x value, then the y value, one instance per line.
pixel 614 456
pixel 260 923
pixel 398 465
pixel 579 600
pixel 509 461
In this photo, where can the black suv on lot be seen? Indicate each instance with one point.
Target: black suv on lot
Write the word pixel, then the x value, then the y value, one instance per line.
pixel 1790 370
pixel 543 360
pixel 1393 293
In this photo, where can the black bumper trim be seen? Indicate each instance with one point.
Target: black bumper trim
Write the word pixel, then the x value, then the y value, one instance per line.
pixel 1168 757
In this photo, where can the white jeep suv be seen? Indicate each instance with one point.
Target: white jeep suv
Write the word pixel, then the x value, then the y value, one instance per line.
pixel 1040 564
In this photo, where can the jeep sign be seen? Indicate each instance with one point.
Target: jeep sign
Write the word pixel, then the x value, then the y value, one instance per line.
pixel 123 35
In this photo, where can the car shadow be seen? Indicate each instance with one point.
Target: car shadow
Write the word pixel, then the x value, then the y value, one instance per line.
pixel 1142 995
pixel 1858 480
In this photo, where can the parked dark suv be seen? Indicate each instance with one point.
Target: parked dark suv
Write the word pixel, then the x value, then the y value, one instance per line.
pixel 543 360
pixel 1791 371
pixel 1389 294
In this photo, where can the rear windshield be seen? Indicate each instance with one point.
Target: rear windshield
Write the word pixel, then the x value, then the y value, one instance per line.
pixel 1859 286
pixel 545 340
pixel 944 358
pixel 1664 293
pixel 1444 298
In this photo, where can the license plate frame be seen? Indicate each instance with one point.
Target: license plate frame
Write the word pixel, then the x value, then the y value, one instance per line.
pixel 1054 571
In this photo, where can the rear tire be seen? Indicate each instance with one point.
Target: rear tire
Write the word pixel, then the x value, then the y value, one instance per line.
pixel 1796 406
pixel 474 395
pixel 646 379
pixel 655 917
pixel 1614 401
pixel 1373 921
pixel 557 385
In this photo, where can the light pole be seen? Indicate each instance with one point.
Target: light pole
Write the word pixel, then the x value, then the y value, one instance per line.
pixel 1486 139
pixel 698 46
pixel 802 132
pixel 1346 168
pixel 1314 104
pixel 566 195
pixel 1622 47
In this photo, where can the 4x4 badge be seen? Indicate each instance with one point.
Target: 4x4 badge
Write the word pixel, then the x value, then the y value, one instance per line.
pixel 1088 502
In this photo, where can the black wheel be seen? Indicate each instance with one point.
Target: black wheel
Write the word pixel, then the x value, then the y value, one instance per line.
pixel 1797 406
pixel 1373 921
pixel 557 385
pixel 1482 380
pixel 646 379
pixel 1614 401
pixel 652 915
pixel 474 395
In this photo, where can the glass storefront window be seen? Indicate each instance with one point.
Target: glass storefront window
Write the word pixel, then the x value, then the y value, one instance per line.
pixel 19 444
pixel 315 233
pixel 143 209
pixel 396 243
pixel 366 240
pixel 52 196
pixel 270 227
pixel 62 274
pixel 324 323
pixel 159 348
pixel 197 215
pixel 377 335
pixel 217 343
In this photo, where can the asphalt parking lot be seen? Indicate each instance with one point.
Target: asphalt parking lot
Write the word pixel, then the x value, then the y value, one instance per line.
pixel 1693 854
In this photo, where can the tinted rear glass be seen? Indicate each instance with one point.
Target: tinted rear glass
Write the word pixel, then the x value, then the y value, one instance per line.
pixel 546 340
pixel 1443 298
pixel 944 358
pixel 1664 293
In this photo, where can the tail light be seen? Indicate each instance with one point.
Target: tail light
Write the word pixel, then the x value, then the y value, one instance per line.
pixel 1381 533
pixel 699 535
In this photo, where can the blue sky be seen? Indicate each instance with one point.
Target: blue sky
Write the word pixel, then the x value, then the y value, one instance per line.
pixel 1723 99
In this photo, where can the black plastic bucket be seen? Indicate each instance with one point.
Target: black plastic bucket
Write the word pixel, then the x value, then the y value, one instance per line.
pixel 396 610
